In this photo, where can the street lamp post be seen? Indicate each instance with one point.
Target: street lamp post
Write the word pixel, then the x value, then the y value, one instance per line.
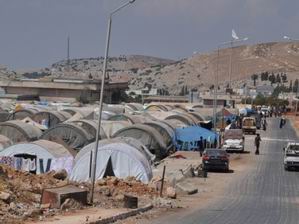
pixel 297 91
pixel 95 152
pixel 231 56
pixel 216 76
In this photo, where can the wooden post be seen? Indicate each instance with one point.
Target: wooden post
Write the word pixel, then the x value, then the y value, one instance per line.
pixel 162 181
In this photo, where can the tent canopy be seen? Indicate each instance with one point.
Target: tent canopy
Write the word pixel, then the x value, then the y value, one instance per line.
pixel 131 107
pixel 18 131
pixel 111 127
pixel 131 141
pixel 23 113
pixel 156 107
pixel 51 118
pixel 41 149
pixel 133 119
pixel 118 159
pixel 91 127
pixel 71 134
pixel 4 142
pixel 149 136
pixel 166 132
pixel 185 118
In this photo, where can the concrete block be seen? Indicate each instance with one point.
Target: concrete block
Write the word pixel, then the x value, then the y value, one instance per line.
pixel 186 188
pixel 57 196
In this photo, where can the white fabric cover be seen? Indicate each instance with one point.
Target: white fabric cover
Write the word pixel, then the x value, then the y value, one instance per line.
pixel 126 161
pixel 37 150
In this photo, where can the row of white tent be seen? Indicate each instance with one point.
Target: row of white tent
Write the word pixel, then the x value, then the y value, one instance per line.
pixel 120 157
pixel 130 141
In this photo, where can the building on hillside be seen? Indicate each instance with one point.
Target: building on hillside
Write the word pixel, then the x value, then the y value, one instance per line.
pixel 66 89
pixel 166 99
pixel 222 101
pixel 265 90
pixel 143 92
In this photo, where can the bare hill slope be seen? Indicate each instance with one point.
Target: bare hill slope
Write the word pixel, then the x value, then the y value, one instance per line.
pixel 199 70
pixel 84 67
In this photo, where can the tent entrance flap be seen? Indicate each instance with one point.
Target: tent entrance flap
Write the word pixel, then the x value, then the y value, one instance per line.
pixel 109 169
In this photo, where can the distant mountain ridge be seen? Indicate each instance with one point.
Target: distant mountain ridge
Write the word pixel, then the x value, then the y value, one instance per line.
pixel 196 72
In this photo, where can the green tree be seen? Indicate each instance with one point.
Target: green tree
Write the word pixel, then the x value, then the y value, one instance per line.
pixel 272 78
pixel 260 100
pixel 291 86
pixel 284 78
pixel 264 76
pixel 254 77
pixel 295 86
pixel 278 79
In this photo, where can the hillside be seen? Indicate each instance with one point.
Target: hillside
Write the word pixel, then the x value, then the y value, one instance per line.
pixel 92 67
pixel 199 70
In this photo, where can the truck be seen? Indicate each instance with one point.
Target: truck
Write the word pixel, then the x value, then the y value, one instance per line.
pixel 249 125
pixel 233 140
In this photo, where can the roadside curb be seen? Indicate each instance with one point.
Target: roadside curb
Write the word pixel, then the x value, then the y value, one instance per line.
pixel 123 215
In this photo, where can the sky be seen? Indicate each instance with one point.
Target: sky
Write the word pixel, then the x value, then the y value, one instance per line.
pixel 33 33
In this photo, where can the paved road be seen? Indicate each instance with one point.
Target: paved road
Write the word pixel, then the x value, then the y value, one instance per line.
pixel 267 194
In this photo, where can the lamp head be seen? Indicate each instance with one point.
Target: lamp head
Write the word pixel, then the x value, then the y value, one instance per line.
pixel 132 1
pixel 246 38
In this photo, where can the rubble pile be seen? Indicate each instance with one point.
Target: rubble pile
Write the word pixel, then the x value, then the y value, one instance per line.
pixel 20 194
pixel 109 192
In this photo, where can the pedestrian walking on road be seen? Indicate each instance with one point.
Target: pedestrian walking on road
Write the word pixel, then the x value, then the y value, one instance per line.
pixel 264 123
pixel 257 141
pixel 282 122
pixel 201 146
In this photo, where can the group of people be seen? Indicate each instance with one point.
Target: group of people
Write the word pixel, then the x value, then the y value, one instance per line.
pixel 258 139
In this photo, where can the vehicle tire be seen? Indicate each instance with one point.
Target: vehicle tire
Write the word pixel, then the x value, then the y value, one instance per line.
pixel 286 168
pixel 227 169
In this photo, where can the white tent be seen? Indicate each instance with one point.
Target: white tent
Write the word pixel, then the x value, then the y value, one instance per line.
pixel 115 158
pixel 41 149
pixel 111 127
pixel 4 142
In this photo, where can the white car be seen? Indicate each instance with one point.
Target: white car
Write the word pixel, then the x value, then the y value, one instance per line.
pixel 291 156
pixel 233 140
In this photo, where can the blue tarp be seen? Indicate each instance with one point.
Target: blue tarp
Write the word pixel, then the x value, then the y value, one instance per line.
pixel 189 136
pixel 230 117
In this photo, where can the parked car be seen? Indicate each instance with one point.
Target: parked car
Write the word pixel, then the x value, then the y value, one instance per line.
pixel 249 125
pixel 215 159
pixel 291 156
pixel 234 140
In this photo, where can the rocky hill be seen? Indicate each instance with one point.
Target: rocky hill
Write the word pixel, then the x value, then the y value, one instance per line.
pixel 92 67
pixel 199 70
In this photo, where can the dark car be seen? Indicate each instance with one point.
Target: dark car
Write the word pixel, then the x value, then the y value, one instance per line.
pixel 215 159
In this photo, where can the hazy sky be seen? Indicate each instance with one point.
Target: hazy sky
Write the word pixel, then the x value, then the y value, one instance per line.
pixel 33 33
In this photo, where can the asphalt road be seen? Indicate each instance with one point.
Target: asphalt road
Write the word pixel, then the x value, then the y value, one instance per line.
pixel 265 194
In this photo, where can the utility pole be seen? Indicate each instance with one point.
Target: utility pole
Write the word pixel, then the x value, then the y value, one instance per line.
pixel 231 63
pixel 68 53
pixel 104 72
pixel 216 91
